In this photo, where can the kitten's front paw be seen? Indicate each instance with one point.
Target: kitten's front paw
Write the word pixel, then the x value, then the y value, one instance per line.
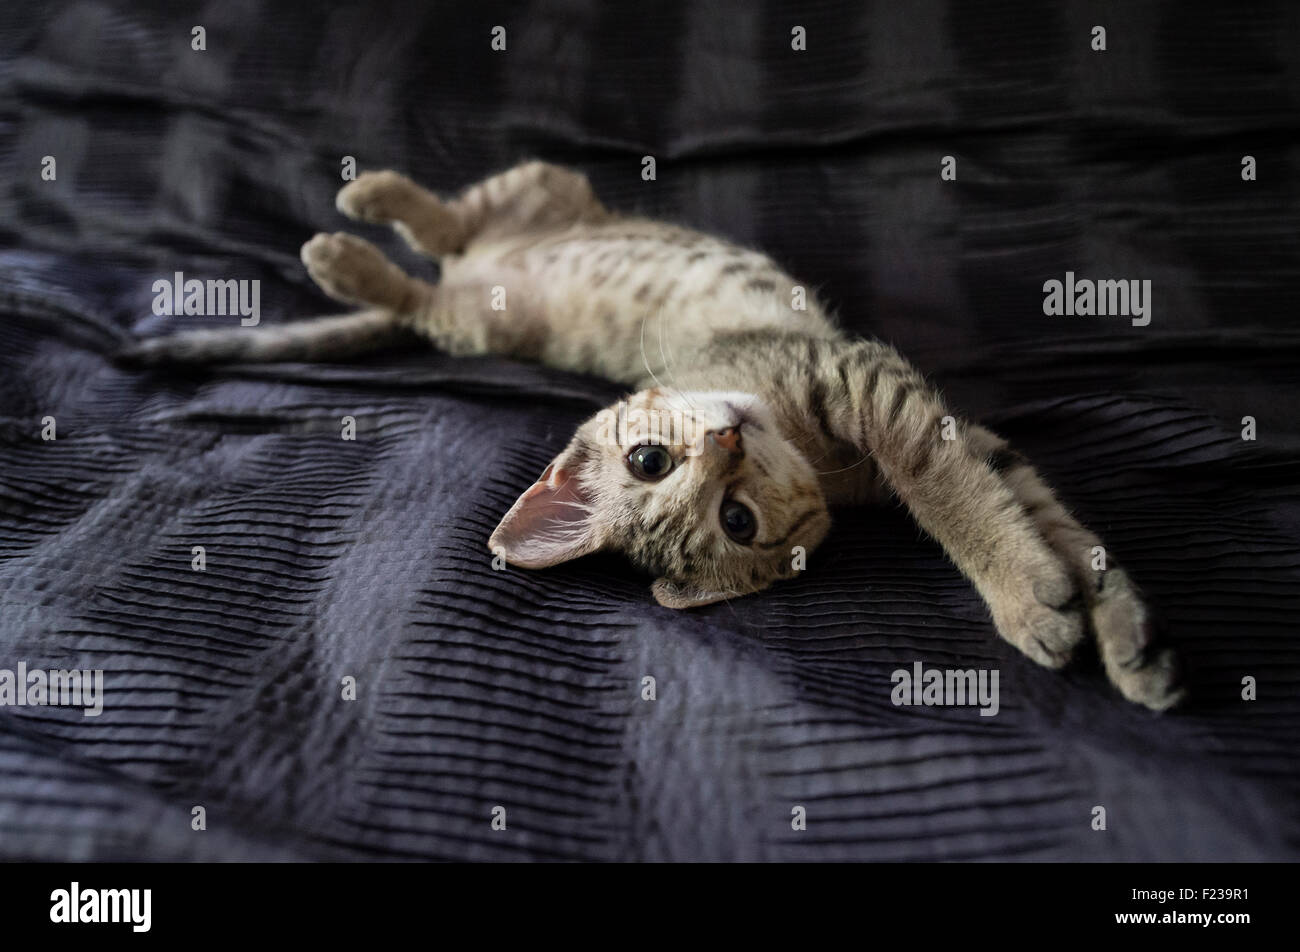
pixel 1144 672
pixel 1042 613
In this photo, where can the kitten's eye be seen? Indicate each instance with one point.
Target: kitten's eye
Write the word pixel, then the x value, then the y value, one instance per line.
pixel 650 462
pixel 737 521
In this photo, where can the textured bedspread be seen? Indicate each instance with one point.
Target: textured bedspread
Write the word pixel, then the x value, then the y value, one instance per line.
pixel 327 559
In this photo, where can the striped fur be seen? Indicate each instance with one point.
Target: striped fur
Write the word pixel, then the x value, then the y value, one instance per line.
pixel 763 403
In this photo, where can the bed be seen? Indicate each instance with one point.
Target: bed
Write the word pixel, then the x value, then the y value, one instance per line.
pixel 346 676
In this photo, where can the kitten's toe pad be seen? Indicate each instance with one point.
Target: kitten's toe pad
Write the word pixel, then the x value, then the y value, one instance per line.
pixel 354 271
pixel 1144 672
pixel 1046 635
pixel 1044 616
pixel 1156 683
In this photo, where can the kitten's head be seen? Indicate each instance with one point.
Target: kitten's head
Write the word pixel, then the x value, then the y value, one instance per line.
pixel 699 488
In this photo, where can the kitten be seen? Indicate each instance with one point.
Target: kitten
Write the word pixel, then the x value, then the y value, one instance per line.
pixel 750 416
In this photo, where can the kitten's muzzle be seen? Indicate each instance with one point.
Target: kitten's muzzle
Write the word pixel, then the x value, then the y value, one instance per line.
pixel 728 439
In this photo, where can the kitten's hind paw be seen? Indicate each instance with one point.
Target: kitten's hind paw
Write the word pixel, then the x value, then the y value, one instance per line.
pixel 389 198
pixel 352 270
pixel 379 198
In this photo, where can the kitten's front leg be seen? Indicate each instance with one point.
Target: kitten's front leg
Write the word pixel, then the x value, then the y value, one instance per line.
pixel 984 523
pixel 886 408
pixel 1144 671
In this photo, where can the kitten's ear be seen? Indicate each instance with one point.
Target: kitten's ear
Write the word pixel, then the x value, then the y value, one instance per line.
pixel 672 594
pixel 553 521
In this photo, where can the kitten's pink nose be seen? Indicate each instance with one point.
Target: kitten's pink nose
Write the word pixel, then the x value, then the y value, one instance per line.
pixel 728 439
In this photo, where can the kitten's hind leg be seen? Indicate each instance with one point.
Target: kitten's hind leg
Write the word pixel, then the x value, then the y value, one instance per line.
pixel 347 269
pixel 531 196
pixel 424 221
pixel 1144 671
pixel 352 270
pixel 457 317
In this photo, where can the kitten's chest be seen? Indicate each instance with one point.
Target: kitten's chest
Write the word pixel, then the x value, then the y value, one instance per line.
pixel 847 475
pixel 851 478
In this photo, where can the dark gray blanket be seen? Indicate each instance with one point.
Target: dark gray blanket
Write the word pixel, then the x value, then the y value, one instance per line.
pixel 329 559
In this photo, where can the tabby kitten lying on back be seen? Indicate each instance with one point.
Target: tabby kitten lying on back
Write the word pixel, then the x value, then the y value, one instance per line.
pixel 765 414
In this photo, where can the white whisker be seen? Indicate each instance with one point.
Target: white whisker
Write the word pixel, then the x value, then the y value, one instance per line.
pixel 865 457
pixel 646 360
pixel 670 391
